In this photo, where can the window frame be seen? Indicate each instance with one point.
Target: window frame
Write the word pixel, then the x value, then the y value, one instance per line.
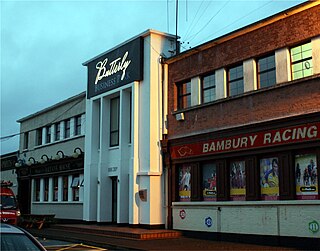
pixel 208 89
pixel 67 128
pixel 182 93
pixel 232 81
pixel 302 60
pixel 48 134
pixel 25 140
pixel 266 71
pixel 114 131
pixel 75 185
pixel 57 131
pixel 39 137
pixel 77 125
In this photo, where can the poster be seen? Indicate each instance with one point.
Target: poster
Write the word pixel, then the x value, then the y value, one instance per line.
pixel 237 180
pixel 185 183
pixel 269 178
pixel 209 179
pixel 306 177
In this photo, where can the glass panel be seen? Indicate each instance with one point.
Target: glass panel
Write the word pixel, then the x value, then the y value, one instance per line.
pixel 306 177
pixel 237 180
pixel 185 183
pixel 209 179
pixel 269 178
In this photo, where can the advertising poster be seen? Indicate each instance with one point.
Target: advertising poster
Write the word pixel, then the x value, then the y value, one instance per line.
pixel 209 179
pixel 185 183
pixel 306 177
pixel 269 178
pixel 237 180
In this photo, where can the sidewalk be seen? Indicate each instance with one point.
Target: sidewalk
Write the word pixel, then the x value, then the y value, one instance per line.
pixel 100 236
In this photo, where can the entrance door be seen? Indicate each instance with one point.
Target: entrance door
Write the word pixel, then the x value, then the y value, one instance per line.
pixel 114 198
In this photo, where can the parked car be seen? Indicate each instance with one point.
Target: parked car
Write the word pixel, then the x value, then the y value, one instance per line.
pixel 14 239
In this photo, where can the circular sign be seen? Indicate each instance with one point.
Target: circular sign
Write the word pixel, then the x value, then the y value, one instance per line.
pixel 208 221
pixel 314 226
pixel 182 214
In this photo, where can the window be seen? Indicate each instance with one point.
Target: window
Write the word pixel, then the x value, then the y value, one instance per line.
pixel 306 176
pixel 266 71
pixel 185 183
pixel 269 178
pixel 208 88
pixel 39 137
pixel 301 61
pixel 67 128
pixel 48 134
pixel 237 180
pixel 77 125
pixel 37 190
pixel 25 140
pixel 46 189
pixel 65 188
pixel 235 81
pixel 55 189
pixel 114 121
pixel 209 181
pixel 184 95
pixel 57 130
pixel 75 188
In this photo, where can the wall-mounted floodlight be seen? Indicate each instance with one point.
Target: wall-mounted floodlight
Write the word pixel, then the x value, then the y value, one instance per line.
pixel 31 161
pixel 59 155
pixel 44 158
pixel 77 151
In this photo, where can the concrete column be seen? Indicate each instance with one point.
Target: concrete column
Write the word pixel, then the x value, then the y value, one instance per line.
pixel 41 190
pixel 315 44
pixel 70 195
pixel 221 83
pixel 249 75
pixel 72 127
pixel 60 188
pixel 43 135
pixel 83 124
pixel 195 91
pixel 283 67
pixel 50 195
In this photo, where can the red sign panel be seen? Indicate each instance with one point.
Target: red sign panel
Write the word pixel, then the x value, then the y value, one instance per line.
pixel 295 134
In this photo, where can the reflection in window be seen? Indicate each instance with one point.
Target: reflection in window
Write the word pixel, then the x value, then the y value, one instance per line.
pixel 235 80
pixel 237 180
pixel 184 95
pixel 185 183
pixel 266 71
pixel 301 58
pixel 269 178
pixel 209 179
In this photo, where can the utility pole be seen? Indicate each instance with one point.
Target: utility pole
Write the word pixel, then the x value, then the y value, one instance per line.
pixel 177 42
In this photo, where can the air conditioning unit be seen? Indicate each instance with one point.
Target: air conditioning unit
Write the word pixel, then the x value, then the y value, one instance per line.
pixel 180 116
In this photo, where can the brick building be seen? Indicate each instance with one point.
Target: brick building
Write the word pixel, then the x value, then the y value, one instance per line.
pixel 242 149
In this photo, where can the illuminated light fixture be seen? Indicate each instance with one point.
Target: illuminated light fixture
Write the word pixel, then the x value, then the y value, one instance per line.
pixel 19 163
pixel 29 162
pixel 42 160
pixel 77 151
pixel 59 155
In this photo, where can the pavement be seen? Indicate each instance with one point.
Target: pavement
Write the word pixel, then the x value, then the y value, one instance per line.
pixel 93 237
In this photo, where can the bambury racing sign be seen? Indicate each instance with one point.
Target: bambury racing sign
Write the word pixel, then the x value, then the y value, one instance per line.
pixel 281 136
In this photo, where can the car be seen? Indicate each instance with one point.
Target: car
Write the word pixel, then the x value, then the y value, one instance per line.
pixel 16 238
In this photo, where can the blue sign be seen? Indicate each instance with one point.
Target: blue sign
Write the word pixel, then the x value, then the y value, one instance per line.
pixel 208 221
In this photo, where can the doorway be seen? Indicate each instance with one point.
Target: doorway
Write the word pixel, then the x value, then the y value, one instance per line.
pixel 114 198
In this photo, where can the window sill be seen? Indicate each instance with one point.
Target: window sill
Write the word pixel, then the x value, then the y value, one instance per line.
pixel 58 141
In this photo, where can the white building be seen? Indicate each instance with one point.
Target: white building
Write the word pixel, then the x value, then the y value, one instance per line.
pixel 124 178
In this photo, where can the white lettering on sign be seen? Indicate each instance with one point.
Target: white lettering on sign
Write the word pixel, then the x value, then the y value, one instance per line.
pixel 119 64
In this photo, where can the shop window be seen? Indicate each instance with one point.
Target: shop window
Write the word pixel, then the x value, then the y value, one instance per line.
pixel 209 181
pixel 114 121
pixel 266 71
pixel 39 137
pixel 37 190
pixel 46 189
pixel 25 140
pixel 184 94
pixel 301 61
pixel 269 178
pixel 237 180
pixel 75 185
pixel 57 130
pixel 48 134
pixel 65 188
pixel 235 80
pixel 208 88
pixel 185 182
pixel 77 125
pixel 306 176
pixel 67 128
pixel 55 189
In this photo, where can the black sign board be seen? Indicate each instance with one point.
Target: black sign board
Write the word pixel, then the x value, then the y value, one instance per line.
pixel 116 68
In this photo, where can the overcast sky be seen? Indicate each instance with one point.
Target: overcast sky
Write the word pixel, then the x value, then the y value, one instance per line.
pixel 44 43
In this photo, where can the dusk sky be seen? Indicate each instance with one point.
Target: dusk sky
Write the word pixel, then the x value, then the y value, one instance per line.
pixel 44 43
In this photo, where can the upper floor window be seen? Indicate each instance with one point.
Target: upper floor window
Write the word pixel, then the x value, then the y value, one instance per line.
pixel 67 128
pixel 235 80
pixel 25 140
pixel 301 61
pixel 77 125
pixel 48 134
pixel 208 88
pixel 39 137
pixel 114 121
pixel 57 130
pixel 184 95
pixel 266 71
